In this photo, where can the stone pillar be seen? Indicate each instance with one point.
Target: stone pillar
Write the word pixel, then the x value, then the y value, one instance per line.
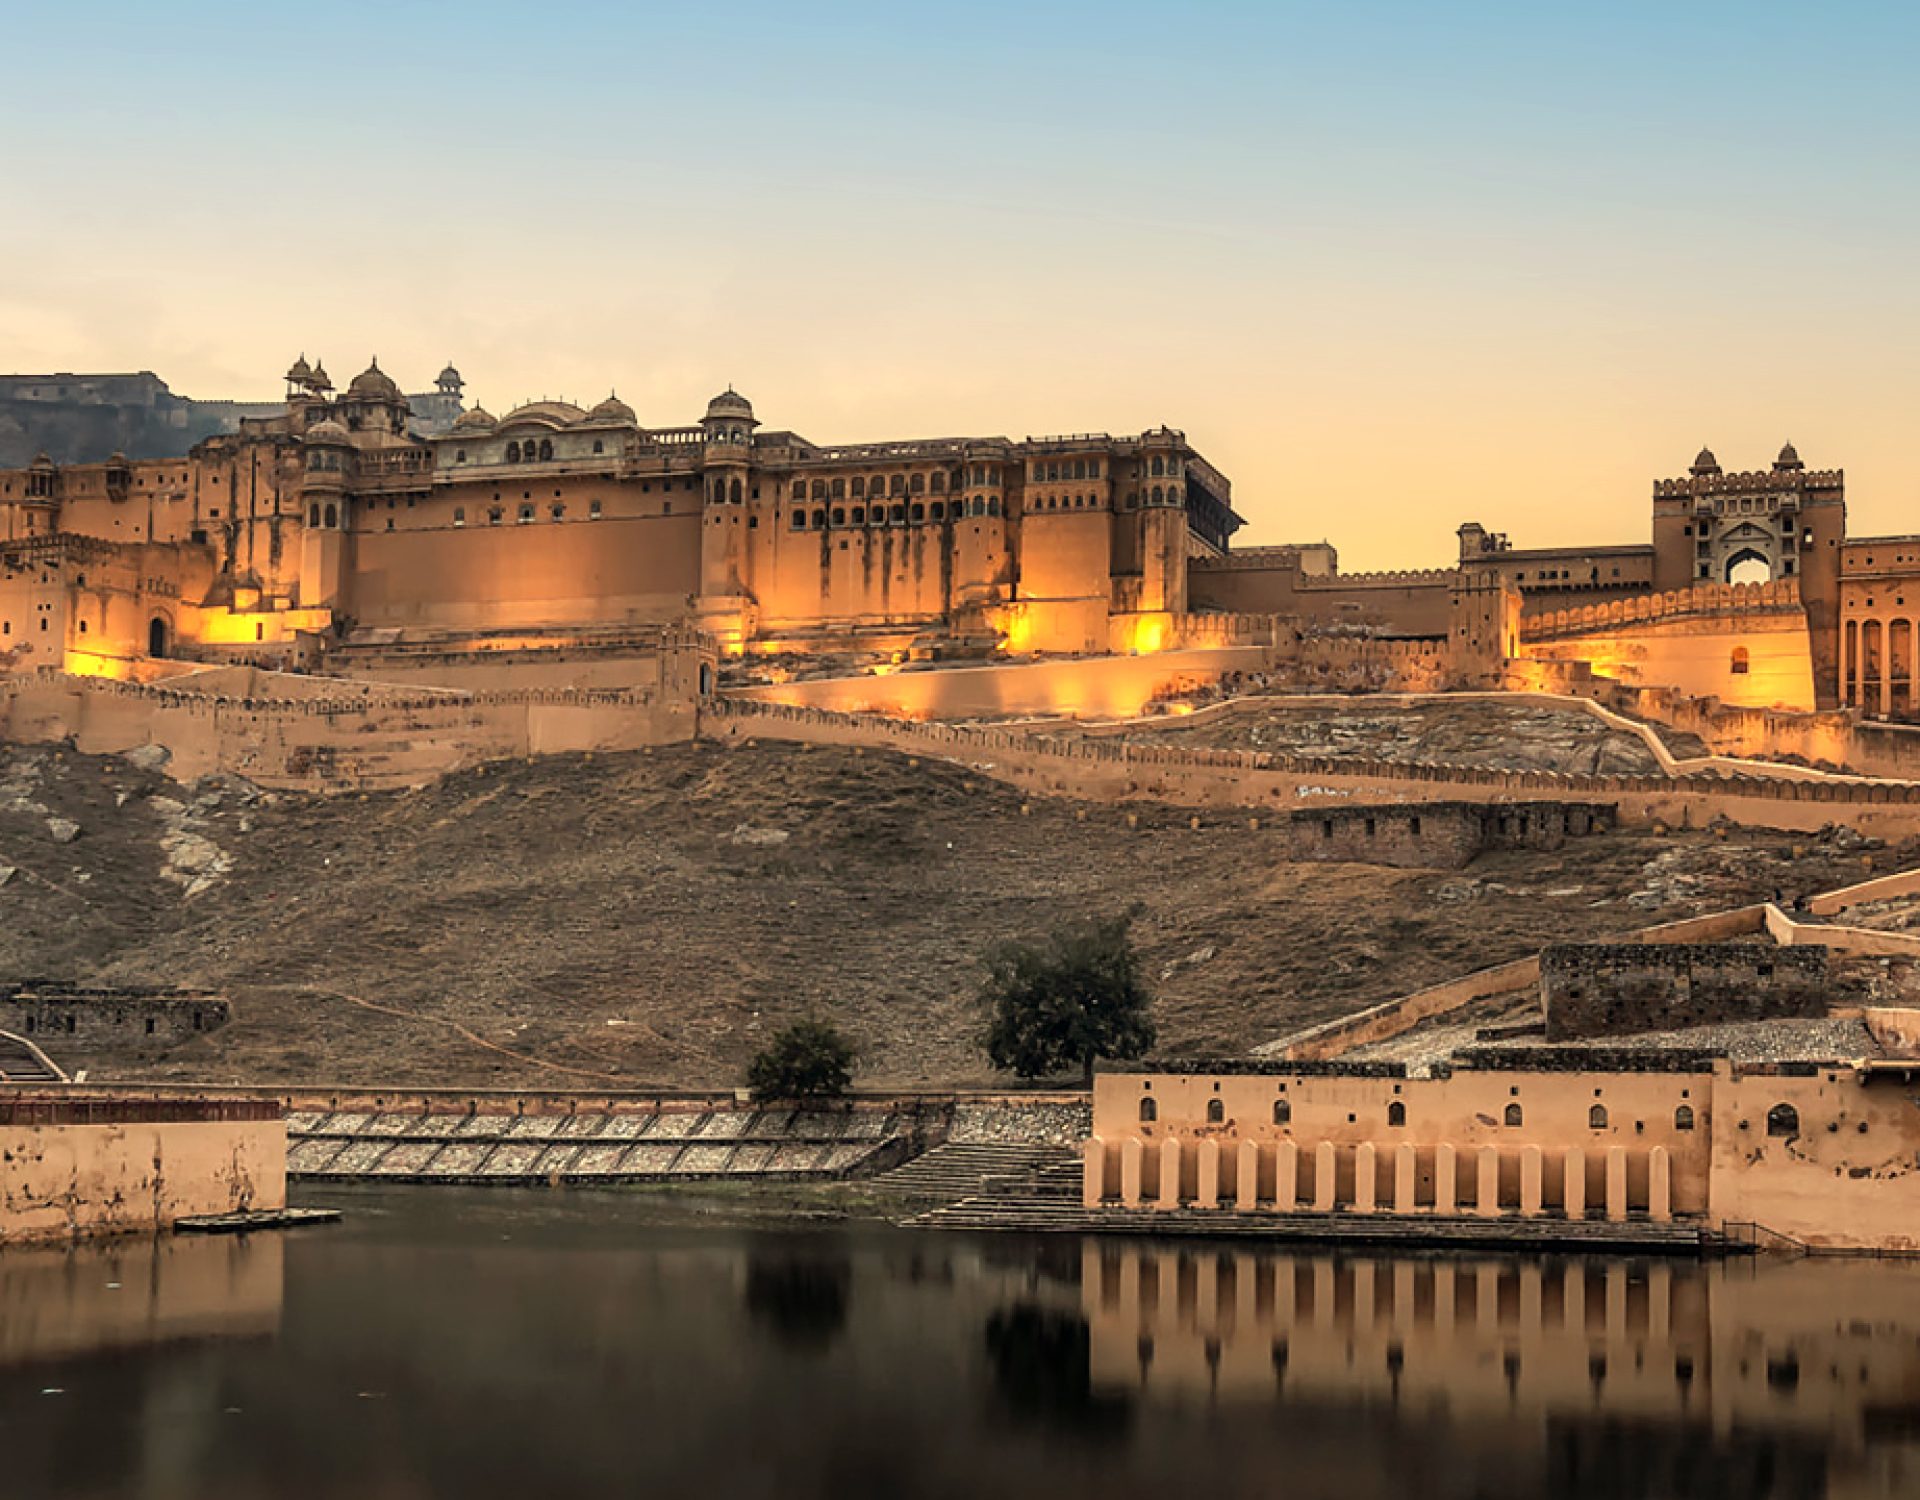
pixel 1131 1152
pixel 1170 1173
pixel 1365 1176
pixel 1659 1185
pixel 1487 1189
pixel 1094 1173
pixel 1246 1178
pixel 1286 1177
pixel 1207 1190
pixel 1616 1183
pixel 1325 1177
pixel 1532 1188
pixel 1446 1198
pixel 1406 1178
pixel 1574 1183
pixel 1886 667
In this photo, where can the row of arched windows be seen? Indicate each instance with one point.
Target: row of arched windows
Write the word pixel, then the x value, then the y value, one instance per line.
pixel 896 515
pixel 1065 502
pixel 516 453
pixel 862 487
pixel 723 491
pixel 1071 468
pixel 1782 1119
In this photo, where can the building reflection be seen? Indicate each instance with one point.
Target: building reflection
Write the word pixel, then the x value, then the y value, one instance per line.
pixel 67 1302
pixel 1796 1374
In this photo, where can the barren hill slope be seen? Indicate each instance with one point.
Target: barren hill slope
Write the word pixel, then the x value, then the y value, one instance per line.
pixel 648 919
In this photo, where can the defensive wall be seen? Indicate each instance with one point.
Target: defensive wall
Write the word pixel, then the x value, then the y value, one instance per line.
pixel 89 1020
pixel 1610 989
pixel 356 741
pixel 1244 780
pixel 1437 835
pixel 1414 602
pixel 76 1165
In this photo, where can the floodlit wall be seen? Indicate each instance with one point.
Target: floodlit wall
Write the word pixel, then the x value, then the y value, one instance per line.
pixel 1749 661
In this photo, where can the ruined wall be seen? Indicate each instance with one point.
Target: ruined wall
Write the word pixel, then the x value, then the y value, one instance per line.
pixel 1438 835
pixel 71 1167
pixel 1609 989
pixel 80 1021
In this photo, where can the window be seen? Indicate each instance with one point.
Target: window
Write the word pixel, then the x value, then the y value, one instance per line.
pixel 1683 1117
pixel 1396 1113
pixel 526 515
pixel 1738 666
pixel 557 511
pixel 1282 1111
pixel 598 446
pixel 799 520
pixel 546 449
pixel 1149 1111
pixel 513 453
pixel 1597 1117
pixel 493 516
pixel 593 510
pixel 1783 1120
pixel 1514 1117
pixel 459 515
pixel 1216 1112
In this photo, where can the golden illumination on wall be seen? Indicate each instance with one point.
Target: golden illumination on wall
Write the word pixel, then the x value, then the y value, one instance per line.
pixel 1148 634
pixel 95 664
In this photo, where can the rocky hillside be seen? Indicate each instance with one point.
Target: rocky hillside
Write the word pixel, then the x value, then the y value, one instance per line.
pixel 650 918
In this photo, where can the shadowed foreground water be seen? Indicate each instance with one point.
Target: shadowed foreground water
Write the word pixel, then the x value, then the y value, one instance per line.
pixel 539 1345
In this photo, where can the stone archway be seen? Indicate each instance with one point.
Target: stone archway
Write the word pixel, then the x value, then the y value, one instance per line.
pixel 1749 565
pixel 157 636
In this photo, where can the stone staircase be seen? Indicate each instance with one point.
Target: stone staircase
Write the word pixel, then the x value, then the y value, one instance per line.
pixel 964 1170
pixel 22 1062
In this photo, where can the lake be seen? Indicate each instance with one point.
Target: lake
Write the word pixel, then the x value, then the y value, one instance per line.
pixel 475 1342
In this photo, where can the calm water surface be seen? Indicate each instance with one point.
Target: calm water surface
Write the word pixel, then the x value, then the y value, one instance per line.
pixel 443 1343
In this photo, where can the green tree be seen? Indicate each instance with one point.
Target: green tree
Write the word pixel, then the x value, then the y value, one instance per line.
pixel 807 1060
pixel 1071 997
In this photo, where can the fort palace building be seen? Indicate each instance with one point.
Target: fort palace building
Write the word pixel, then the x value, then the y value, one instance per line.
pixel 355 524
pixel 350 516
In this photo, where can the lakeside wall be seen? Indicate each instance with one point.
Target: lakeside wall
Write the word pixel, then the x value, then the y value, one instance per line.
pixel 72 1167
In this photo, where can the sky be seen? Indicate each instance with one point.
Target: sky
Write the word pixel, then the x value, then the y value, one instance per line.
pixel 1390 267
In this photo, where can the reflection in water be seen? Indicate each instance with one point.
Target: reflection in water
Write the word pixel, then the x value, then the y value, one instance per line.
pixel 801 1299
pixel 499 1342
pixel 68 1301
pixel 1043 1370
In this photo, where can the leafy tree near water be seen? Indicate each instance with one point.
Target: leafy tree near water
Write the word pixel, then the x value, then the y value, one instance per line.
pixel 1073 996
pixel 807 1060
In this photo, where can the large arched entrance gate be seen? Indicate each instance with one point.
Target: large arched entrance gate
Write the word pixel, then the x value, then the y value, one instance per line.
pixel 157 637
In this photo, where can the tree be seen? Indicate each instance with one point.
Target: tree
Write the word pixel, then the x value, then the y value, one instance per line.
pixel 1067 999
pixel 807 1060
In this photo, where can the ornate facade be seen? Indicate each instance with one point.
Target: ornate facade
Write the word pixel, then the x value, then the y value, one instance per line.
pixel 346 518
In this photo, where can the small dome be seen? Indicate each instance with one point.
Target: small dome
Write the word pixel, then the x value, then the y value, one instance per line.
pixel 450 376
pixel 470 421
pixel 729 403
pixel 330 431
pixel 117 459
pixel 42 460
pixel 299 371
pixel 374 384
pixel 613 409
pixel 321 381
pixel 1788 459
pixel 1706 463
pixel 553 413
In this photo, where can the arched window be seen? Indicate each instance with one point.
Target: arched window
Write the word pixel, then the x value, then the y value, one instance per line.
pixel 1783 1120
pixel 1597 1117
pixel 1683 1117
pixel 546 449
pixel 1738 666
pixel 919 512
pixel 859 487
pixel 313 515
pixel 799 520
pixel 460 456
pixel 1396 1113
pixel 858 515
pixel 1149 1111
pixel 1216 1112
pixel 939 510
pixel 939 482
pixel 734 496
pixel 898 485
pixel 917 485
pixel 332 517
pixel 819 489
pixel 459 515
pixel 513 453
pixel 839 515
pixel 1283 1111
pixel 598 446
pixel 1513 1115
pixel 993 505
pixel 1079 468
pixel 979 506
pixel 899 515
pixel 493 515
pixel 1157 466
pixel 819 520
